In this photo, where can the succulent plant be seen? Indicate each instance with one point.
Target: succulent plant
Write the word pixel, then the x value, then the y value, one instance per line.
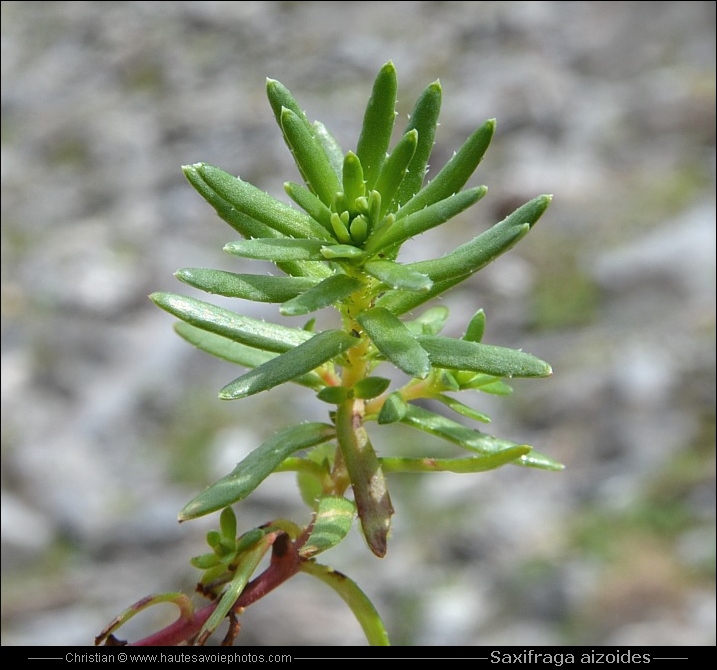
pixel 340 249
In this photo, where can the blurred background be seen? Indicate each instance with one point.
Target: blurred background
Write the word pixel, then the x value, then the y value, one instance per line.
pixel 110 422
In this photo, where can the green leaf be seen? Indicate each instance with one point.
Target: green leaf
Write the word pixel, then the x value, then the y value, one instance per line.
pixel 398 276
pixel 459 465
pixel 246 225
pixel 332 522
pixel 457 266
pixel 476 327
pixel 393 410
pixel 540 461
pixel 473 440
pixel 431 322
pixel 486 247
pixel 331 290
pixel 242 329
pixel 310 156
pixel 247 564
pixel 333 149
pixel 310 204
pixel 486 384
pixel 360 605
pixel 259 288
pixel 395 341
pixel 419 222
pixel 353 182
pixel 205 561
pixel 424 119
pixel 370 387
pixel 295 362
pixel 223 348
pixel 228 524
pixel 260 205
pixel 446 352
pixel 255 468
pixel 462 409
pixel 334 395
pixel 378 123
pixel 277 250
pixel 242 223
pixel 454 432
pixel 454 174
pixel 341 251
pixel 394 169
pixel 279 98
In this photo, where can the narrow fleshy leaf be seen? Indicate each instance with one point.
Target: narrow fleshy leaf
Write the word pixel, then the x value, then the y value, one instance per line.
pixel 333 149
pixel 400 302
pixel 246 225
pixel 419 222
pixel 280 98
pixel 242 223
pixel 448 380
pixel 243 329
pixel 378 123
pixel 303 358
pixel 424 119
pixel 341 251
pixel 255 468
pixel 362 608
pixel 493 386
pixel 310 203
pixel 473 440
pixel 393 409
pixel 456 172
pixel 458 265
pixel 395 341
pixel 367 480
pixel 370 387
pixel 486 247
pixel 331 290
pixel 458 465
pixel 246 565
pixel 359 229
pixel 283 249
pixel 205 561
pixel 310 156
pixel 223 348
pixel 462 409
pixel 446 352
pixel 398 276
pixel 260 205
pixel 394 169
pixel 228 524
pixel 334 395
pixel 332 523
pixel 431 322
pixel 476 327
pixel 259 288
pixel 454 432
pixel 537 460
pixel 353 179
pixel 339 227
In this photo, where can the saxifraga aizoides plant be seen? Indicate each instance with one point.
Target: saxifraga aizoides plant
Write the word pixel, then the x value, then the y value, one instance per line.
pixel 339 249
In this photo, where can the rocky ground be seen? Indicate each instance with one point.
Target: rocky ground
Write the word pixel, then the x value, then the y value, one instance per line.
pixel 110 423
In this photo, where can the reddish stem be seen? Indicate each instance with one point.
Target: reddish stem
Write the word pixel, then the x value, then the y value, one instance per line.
pixel 284 564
